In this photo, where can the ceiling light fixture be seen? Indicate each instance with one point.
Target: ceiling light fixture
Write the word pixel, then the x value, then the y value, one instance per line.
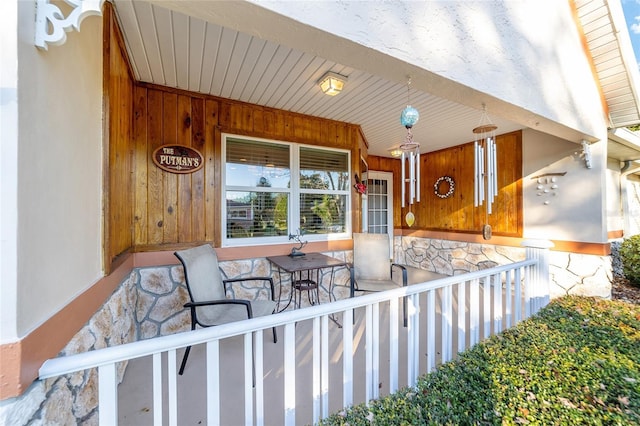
pixel 332 83
pixel 395 152
pixel 410 156
pixel 485 164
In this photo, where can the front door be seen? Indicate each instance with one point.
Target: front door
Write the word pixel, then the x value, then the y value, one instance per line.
pixel 380 203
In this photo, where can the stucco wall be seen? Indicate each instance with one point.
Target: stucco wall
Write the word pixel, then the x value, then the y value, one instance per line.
pixel 632 215
pixel 615 217
pixel 576 211
pixel 490 47
pixel 59 169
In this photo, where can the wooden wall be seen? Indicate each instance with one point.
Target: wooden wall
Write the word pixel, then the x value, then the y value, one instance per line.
pixel 118 184
pixel 175 209
pixel 457 213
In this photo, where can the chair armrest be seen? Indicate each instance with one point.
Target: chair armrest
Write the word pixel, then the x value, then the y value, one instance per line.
pixel 404 273
pixel 236 280
pixel 352 285
pixel 194 305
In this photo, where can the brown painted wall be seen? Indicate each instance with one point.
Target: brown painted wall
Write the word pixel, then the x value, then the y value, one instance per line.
pixel 457 212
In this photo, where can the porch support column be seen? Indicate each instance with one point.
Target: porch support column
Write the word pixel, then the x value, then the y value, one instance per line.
pixel 52 26
pixel 537 278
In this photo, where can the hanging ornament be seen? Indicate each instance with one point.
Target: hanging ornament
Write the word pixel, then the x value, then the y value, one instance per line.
pixel 410 219
pixel 410 157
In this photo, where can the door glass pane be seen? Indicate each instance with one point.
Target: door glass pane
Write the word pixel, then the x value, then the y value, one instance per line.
pixel 378 207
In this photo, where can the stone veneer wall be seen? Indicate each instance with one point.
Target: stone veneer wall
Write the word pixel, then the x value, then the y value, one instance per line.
pixel 73 399
pixel 149 303
pixel 570 273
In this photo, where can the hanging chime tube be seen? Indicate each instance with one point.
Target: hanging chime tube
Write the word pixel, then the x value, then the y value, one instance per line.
pixel 418 174
pixel 403 179
pixel 412 177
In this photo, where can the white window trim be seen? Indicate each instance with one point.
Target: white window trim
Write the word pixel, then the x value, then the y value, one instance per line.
pixel 293 194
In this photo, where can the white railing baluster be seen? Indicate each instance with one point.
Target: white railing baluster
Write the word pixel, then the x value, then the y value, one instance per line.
pixel 324 378
pixel 474 312
pixel 249 374
pixel 393 345
pixel 527 292
pixel 431 330
pixel 497 303
pixel 410 340
pixel 486 310
pixel 213 382
pixel 157 389
pixel 375 329
pixel 347 358
pixel 368 358
pixel 316 390
pixel 509 307
pixel 290 374
pixel 259 375
pixel 172 384
pixel 447 314
pixel 415 319
pixel 518 296
pixel 462 323
pixel 108 394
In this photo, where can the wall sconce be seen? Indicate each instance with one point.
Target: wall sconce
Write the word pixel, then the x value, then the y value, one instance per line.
pixel 332 83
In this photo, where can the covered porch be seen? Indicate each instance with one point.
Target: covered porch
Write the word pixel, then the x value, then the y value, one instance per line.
pixel 328 356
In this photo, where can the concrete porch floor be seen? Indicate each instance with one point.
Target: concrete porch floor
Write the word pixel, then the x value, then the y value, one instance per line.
pixel 135 392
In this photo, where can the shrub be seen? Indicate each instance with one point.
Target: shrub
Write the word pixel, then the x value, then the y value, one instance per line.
pixel 576 362
pixel 630 254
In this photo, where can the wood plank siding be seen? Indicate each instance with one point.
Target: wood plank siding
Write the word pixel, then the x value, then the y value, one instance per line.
pixel 149 209
pixel 457 212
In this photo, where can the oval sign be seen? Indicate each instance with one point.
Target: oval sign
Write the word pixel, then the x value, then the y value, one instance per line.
pixel 178 158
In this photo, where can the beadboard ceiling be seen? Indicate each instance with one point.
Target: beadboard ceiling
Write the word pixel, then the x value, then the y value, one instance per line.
pixel 175 50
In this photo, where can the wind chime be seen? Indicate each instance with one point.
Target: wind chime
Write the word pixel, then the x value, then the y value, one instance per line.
pixel 485 166
pixel 410 159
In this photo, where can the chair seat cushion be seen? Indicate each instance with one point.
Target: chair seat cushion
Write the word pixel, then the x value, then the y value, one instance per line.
pixel 223 314
pixel 376 285
pixel 417 275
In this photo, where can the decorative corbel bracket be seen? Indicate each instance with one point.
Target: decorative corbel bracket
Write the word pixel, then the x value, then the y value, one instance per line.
pixel 52 26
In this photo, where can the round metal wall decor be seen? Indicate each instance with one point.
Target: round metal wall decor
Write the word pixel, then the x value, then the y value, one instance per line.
pixel 436 187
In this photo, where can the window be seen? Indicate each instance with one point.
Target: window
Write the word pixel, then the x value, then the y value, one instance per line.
pixel 272 189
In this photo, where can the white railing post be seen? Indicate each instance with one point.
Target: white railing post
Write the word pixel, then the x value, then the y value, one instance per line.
pixel 538 276
pixel 108 394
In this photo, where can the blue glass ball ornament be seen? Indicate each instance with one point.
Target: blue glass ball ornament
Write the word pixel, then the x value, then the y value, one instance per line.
pixel 409 116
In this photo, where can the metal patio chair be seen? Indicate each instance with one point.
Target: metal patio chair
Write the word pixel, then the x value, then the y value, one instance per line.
pixel 209 304
pixel 372 269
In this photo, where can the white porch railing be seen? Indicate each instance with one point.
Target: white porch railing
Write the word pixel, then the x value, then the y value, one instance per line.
pixel 494 299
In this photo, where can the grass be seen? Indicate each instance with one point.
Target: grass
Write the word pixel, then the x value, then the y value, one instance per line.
pixel 576 362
